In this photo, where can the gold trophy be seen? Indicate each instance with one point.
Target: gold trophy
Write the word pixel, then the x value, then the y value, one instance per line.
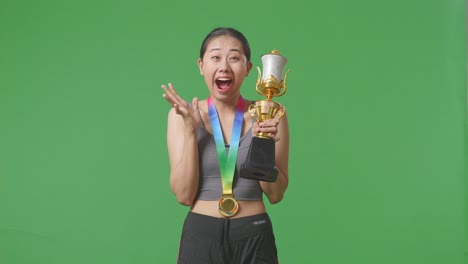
pixel 260 163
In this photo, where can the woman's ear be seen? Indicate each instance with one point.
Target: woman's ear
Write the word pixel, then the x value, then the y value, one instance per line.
pixel 249 67
pixel 200 65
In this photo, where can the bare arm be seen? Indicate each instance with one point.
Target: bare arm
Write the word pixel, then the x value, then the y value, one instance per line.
pixel 183 122
pixel 280 132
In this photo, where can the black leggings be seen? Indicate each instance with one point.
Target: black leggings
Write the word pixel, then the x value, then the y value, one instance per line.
pixel 244 240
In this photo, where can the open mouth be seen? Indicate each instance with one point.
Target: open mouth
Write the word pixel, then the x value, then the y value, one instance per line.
pixel 223 84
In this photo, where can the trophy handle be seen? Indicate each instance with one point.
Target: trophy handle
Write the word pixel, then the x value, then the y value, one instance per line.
pixel 252 111
pixel 259 82
pixel 280 113
pixel 283 84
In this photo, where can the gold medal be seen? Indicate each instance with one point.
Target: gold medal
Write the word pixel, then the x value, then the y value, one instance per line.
pixel 228 206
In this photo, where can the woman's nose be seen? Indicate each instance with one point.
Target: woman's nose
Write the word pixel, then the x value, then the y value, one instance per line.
pixel 224 66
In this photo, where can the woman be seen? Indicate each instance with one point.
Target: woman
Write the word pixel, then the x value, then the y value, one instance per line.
pixel 196 132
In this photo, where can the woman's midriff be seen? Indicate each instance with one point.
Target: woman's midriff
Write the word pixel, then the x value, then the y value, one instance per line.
pixel 246 208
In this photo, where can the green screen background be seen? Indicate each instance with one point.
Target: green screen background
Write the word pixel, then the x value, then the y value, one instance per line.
pixel 376 100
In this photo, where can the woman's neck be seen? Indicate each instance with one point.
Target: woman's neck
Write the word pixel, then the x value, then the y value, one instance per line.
pixel 226 107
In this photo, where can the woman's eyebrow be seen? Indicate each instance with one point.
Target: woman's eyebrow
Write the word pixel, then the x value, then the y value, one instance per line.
pixel 215 49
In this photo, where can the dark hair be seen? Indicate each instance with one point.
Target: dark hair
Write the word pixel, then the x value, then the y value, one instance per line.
pixel 221 31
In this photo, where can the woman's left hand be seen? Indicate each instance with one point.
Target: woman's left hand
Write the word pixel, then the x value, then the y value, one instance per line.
pixel 268 127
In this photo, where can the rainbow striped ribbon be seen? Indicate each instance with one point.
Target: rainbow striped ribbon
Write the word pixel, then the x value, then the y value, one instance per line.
pixel 227 162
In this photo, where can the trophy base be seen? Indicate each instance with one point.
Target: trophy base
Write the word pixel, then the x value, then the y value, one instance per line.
pixel 260 162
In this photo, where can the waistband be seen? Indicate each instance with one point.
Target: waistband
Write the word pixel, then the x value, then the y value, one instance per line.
pixel 237 228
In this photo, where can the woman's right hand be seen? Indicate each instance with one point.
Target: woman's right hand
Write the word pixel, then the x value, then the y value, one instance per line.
pixel 190 115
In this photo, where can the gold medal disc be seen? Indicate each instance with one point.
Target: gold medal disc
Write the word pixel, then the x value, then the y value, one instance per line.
pixel 228 206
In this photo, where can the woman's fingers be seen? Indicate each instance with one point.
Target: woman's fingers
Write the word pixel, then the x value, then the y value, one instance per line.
pixel 195 104
pixel 176 95
pixel 180 106
pixel 269 122
pixel 194 108
pixel 170 94
pixel 180 110
pixel 268 127
pixel 172 97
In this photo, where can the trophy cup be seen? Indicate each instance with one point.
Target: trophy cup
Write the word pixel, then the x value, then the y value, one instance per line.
pixel 260 162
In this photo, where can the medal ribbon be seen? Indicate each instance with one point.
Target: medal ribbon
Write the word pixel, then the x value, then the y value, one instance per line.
pixel 227 162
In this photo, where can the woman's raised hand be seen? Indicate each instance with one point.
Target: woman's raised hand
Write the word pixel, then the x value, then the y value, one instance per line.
pixel 190 115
